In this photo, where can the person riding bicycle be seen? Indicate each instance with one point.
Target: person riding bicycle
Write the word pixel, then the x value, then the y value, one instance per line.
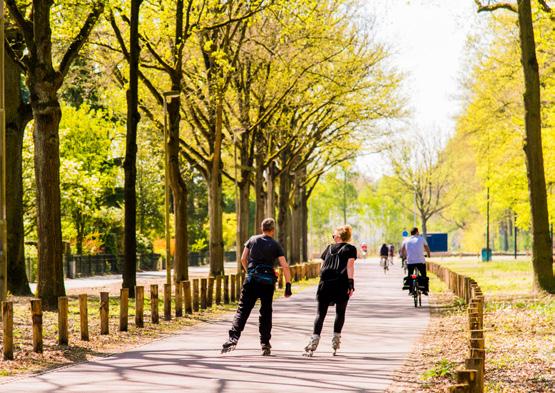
pixel 391 253
pixel 384 254
pixel 413 250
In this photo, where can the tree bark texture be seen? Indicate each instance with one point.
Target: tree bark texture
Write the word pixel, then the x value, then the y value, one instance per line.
pixel 270 207
pixel 215 202
pixel 180 194
pixel 283 210
pixel 542 251
pixel 130 163
pixel 18 115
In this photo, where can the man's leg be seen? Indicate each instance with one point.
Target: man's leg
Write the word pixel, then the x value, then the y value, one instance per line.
pixel 246 303
pixel 422 269
pixel 266 294
pixel 410 270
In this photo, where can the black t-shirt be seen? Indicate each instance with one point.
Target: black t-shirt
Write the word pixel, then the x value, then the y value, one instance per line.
pixel 384 251
pixel 263 250
pixel 346 252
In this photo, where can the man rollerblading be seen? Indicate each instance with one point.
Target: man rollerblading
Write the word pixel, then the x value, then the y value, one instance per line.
pixel 258 259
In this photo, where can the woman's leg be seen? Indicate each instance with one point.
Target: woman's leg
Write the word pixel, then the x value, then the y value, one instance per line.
pixel 320 316
pixel 340 309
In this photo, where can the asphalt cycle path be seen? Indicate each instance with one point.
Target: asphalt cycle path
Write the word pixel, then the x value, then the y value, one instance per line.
pixel 381 325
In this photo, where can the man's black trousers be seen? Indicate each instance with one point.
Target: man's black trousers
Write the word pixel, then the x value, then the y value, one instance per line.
pixel 250 293
pixel 411 268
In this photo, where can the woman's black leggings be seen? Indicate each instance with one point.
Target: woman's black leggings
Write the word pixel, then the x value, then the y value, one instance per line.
pixel 340 309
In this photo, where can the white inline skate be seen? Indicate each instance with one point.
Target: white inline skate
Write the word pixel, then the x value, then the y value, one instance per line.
pixel 312 345
pixel 336 343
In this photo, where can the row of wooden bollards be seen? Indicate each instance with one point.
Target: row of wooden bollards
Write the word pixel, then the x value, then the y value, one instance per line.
pixel 471 378
pixel 189 297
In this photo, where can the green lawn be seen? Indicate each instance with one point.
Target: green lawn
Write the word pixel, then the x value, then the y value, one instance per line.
pixel 496 278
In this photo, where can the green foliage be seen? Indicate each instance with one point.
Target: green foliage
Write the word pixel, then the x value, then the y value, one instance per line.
pixel 443 368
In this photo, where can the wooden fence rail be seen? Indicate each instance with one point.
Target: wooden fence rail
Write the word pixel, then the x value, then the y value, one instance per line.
pixel 190 297
pixel 471 378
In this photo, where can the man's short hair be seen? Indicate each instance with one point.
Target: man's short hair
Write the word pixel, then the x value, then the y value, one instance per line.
pixel 268 225
pixel 414 231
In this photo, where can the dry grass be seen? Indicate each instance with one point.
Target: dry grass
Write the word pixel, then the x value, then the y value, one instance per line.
pixel 520 335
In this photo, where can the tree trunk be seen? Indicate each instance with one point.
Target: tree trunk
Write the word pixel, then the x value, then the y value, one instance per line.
pixel 260 194
pixel 542 252
pixel 283 210
pixel 179 192
pixel 130 163
pixel 270 192
pixel 243 217
pixel 47 115
pixel 304 225
pixel 17 116
pixel 215 211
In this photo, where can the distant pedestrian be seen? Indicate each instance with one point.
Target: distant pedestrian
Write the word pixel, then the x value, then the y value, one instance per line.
pixel 258 259
pixel 336 286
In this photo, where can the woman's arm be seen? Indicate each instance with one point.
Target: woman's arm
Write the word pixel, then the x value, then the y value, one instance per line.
pixel 351 275
pixel 351 268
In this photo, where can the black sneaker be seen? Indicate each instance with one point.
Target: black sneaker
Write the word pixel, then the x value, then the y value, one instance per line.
pixel 229 345
pixel 266 349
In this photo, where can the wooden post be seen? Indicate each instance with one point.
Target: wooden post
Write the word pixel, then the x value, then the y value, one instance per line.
pixel 84 316
pixel 178 300
pixel 139 306
pixel 186 285
pixel 468 377
pixel 210 295
pixel 459 388
pixel 226 289
pixel 123 309
pixel 478 365
pixel 203 293
pixel 219 290
pixel 36 311
pixel 154 316
pixel 7 337
pixel 233 277
pixel 167 302
pixel 63 337
pixel 196 282
pixel 104 313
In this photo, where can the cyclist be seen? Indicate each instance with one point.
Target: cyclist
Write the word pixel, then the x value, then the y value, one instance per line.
pixel 391 253
pixel 413 250
pixel 384 254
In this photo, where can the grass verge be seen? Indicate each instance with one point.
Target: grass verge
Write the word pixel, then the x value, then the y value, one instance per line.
pixel 520 333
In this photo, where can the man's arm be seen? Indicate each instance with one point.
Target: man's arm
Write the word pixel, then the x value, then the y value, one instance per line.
pixel 427 248
pixel 285 266
pixel 245 258
pixel 404 250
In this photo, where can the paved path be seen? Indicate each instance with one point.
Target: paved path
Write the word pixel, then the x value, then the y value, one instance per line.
pixel 111 279
pixel 381 324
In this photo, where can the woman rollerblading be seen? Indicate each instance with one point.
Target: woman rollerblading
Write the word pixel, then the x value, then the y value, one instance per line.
pixel 336 286
pixel 335 343
pixel 312 345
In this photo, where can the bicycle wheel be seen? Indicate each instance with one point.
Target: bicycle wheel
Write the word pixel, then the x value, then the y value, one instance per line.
pixel 415 297
pixel 419 299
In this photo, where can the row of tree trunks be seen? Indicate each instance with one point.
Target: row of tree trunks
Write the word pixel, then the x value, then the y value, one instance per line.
pixel 18 114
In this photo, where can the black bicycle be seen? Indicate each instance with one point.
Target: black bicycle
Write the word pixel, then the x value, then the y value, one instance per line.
pixel 416 290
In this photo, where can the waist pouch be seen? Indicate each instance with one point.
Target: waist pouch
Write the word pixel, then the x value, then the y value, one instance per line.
pixel 262 274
